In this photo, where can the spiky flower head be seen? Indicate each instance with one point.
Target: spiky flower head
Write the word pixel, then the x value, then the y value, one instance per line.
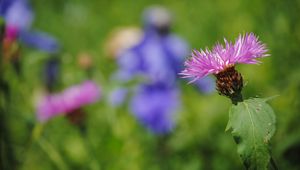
pixel 246 49
pixel 221 60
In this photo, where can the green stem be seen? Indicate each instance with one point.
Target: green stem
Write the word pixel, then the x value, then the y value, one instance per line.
pixel 237 98
pixel 45 146
pixel 35 135
pixel 162 151
pixel 89 146
pixel 273 164
pixel 7 154
pixel 53 154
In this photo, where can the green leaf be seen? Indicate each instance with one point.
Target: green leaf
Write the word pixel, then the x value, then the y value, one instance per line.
pixel 252 124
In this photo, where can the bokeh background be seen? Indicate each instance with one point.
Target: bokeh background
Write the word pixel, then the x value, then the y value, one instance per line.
pixel 114 139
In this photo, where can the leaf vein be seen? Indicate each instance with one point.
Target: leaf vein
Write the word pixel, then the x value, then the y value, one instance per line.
pixel 253 126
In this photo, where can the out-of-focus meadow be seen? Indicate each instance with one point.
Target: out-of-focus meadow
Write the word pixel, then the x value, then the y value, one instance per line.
pixel 113 138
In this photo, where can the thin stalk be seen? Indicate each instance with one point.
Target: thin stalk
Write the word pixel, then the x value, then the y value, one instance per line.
pixel 273 164
pixel 35 135
pixel 236 99
pixel 53 154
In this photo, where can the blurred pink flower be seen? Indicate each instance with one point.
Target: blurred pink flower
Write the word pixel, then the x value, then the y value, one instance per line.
pixel 246 49
pixel 11 33
pixel 67 101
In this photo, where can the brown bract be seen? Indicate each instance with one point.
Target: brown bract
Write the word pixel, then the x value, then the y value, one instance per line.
pixel 230 83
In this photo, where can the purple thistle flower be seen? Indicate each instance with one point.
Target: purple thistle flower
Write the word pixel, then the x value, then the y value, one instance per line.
pixel 221 61
pixel 246 49
pixel 69 100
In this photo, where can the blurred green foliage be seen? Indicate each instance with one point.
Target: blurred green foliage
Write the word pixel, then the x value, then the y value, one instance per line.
pixel 114 139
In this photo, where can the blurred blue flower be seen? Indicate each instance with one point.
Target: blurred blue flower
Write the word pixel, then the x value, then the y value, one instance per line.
pixel 118 96
pixel 19 16
pixel 154 106
pixel 206 85
pixel 40 40
pixel 4 5
pixel 51 73
pixel 158 58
